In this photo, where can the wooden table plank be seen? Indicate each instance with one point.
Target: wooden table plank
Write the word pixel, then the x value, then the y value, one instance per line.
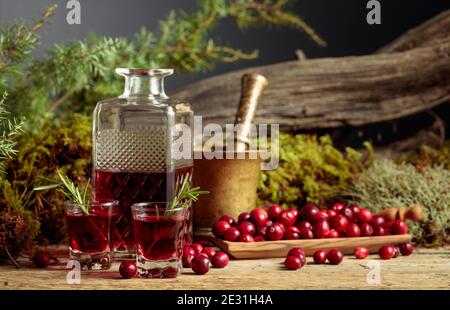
pixel 425 269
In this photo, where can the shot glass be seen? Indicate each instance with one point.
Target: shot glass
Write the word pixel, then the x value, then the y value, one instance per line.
pixel 158 233
pixel 91 234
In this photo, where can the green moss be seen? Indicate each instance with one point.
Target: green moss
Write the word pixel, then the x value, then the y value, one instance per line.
pixel 386 185
pixel 428 156
pixel 311 170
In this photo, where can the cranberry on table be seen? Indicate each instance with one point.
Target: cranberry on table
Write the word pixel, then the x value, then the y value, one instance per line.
pixel 274 212
pixel 378 221
pixel 397 251
pixel 259 238
pixel 320 216
pixel 220 260
pixel 296 251
pixel 228 219
pixel 127 269
pixel 320 256
pixel 188 254
pixel 339 222
pixel 321 229
pixel 197 247
pixel 335 257
pixel 293 263
pixel 259 217
pixel 361 252
pixel 246 238
pixel 306 233
pixel 333 234
pixel 364 215
pixel 379 231
pixel 291 235
pixel 41 259
pixel 386 252
pixel 200 264
pixel 366 230
pixel 353 230
pixel 287 218
pixel 399 228
pixel 209 251
pixel 331 213
pixel 219 228
pixel 247 227
pixel 304 224
pixel 406 249
pixel 275 232
pixel 245 216
pixel 309 211
pixel 232 234
pixel 348 213
pixel 338 206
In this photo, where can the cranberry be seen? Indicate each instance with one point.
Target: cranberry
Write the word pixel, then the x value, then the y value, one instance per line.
pixel 246 238
pixel 220 260
pixel 321 229
pixel 309 211
pixel 378 221
pixel 388 227
pixel 188 254
pixel 200 264
pixel 353 230
pixel 379 231
pixel 335 257
pixel 320 216
pixel 274 212
pixel 262 231
pixel 296 251
pixel 361 252
pixel 306 233
pixel 287 218
pixel 331 213
pixel 339 223
pixel 245 216
pixel 41 259
pixel 219 228
pixel 386 252
pixel 259 217
pixel 269 223
pixel 348 213
pixel 275 232
pixel 355 209
pixel 337 207
pixel 399 228
pixel 232 234
pixel 406 249
pixel 127 269
pixel 397 251
pixel 295 212
pixel 291 235
pixel 302 257
pixel 333 234
pixel 228 219
pixel 209 251
pixel 197 247
pixel 293 229
pixel 259 238
pixel 366 230
pixel 281 225
pixel 364 216
pixel 304 224
pixel 247 228
pixel 293 263
pixel 320 256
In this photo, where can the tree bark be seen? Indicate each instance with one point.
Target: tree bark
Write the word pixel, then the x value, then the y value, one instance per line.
pixel 410 75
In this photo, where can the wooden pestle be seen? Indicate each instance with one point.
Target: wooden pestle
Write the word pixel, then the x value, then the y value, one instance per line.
pixel 252 87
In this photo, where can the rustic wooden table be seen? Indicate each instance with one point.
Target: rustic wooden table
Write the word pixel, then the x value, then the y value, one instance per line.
pixel 425 269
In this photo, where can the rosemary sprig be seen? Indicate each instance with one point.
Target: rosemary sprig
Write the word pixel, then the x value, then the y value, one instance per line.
pixel 184 195
pixel 70 190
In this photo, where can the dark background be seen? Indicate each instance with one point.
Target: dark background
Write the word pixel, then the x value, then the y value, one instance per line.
pixel 342 23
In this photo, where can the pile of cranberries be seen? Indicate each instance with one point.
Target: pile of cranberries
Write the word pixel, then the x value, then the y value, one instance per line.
pixel 309 222
pixel 199 258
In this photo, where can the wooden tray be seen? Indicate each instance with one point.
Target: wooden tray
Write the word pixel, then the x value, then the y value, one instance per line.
pixel 271 249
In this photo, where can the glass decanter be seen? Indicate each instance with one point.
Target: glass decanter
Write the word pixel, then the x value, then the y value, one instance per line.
pixel 137 154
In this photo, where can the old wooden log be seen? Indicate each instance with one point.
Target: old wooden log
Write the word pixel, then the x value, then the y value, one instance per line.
pixel 335 92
